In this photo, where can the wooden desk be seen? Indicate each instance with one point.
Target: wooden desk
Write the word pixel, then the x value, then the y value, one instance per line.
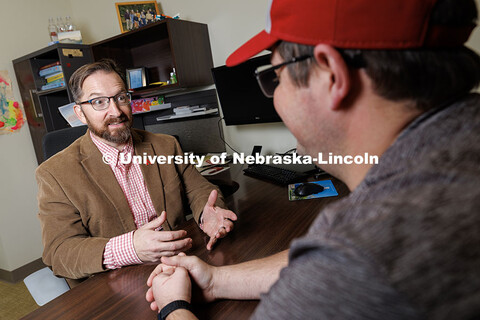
pixel 267 222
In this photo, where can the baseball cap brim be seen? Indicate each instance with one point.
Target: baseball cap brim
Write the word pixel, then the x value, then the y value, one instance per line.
pixel 353 24
pixel 257 44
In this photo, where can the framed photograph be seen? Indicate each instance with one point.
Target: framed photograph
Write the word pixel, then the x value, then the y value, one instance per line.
pixel 134 15
pixel 136 78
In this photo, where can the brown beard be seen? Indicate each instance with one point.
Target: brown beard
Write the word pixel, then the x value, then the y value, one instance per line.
pixel 122 135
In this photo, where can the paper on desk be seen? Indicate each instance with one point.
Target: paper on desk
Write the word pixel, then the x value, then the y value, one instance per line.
pixel 67 112
pixel 208 163
pixel 213 171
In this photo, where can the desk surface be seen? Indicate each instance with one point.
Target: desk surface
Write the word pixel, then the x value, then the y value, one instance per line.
pixel 267 222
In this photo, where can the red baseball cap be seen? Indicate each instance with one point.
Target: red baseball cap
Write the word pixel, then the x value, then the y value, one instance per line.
pixel 352 24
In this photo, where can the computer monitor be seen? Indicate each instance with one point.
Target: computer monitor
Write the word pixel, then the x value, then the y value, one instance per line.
pixel 241 99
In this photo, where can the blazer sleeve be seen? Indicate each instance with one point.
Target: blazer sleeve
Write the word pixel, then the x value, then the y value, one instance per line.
pixel 197 188
pixel 68 247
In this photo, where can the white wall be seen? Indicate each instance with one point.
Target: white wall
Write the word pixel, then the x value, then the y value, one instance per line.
pixel 97 19
pixel 23 25
pixel 24 29
pixel 230 23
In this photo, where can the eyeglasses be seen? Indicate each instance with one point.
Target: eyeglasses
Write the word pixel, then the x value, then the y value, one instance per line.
pixel 267 77
pixel 102 103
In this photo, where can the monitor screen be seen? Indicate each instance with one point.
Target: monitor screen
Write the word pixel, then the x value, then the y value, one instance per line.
pixel 241 99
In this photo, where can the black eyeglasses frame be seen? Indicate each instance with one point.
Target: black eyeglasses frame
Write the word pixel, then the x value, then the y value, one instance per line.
pixel 90 100
pixel 268 92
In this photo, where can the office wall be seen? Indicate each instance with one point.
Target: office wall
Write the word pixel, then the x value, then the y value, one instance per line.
pixel 24 29
pixel 230 23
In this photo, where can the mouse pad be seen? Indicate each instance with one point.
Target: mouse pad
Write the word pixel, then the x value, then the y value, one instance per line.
pixel 328 191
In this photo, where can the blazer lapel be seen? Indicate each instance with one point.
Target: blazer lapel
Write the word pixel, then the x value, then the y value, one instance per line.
pixel 152 176
pixel 103 176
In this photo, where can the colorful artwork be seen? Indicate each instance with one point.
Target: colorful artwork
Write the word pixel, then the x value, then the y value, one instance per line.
pixel 148 104
pixel 11 115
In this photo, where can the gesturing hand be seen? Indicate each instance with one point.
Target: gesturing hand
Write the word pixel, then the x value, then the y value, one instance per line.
pixel 168 284
pixel 151 245
pixel 217 222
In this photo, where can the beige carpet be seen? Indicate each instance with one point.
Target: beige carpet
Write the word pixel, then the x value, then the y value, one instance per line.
pixel 15 301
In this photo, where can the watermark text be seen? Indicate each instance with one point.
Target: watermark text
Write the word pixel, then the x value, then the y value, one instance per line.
pixel 241 158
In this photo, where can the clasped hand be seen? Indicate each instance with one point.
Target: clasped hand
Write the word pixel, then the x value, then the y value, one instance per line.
pixel 151 245
pixel 170 280
pixel 217 222
pixel 167 285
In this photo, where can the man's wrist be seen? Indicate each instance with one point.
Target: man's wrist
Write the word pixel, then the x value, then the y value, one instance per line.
pixel 172 306
pixel 181 314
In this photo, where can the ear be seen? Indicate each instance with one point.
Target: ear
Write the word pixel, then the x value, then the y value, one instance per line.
pixel 79 112
pixel 330 61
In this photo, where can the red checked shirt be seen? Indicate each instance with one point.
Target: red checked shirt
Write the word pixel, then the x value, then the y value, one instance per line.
pixel 119 251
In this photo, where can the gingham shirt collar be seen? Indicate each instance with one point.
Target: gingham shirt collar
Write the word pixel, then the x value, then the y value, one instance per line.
pixel 111 153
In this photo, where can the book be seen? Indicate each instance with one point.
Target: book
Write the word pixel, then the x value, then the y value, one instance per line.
pixel 50 70
pixel 57 81
pixel 54 77
pixel 52 85
pixel 57 63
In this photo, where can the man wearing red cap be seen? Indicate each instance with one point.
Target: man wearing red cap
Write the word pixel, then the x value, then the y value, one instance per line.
pixel 391 78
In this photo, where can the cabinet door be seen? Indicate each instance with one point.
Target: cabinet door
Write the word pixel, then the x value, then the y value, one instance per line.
pixel 50 103
pixel 31 105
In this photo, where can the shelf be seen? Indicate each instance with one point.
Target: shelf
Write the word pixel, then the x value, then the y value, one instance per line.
pixel 46 102
pixel 51 52
pixel 159 48
pixel 44 92
pixel 155 90
pixel 188 115
pixel 137 37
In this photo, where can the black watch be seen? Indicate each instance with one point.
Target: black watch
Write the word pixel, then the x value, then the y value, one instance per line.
pixel 172 306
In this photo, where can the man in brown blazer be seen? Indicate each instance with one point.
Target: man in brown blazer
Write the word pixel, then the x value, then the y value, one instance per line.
pixel 98 213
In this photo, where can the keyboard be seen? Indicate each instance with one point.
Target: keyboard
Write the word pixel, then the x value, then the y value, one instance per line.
pixel 274 174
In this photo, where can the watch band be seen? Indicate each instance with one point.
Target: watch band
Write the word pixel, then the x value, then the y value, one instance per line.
pixel 172 306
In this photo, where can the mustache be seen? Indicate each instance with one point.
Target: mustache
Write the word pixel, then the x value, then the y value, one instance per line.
pixel 122 118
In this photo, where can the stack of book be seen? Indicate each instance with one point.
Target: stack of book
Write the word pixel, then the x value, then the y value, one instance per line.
pixel 53 75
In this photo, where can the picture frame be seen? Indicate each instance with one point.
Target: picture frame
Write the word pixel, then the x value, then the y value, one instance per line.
pixel 134 15
pixel 136 77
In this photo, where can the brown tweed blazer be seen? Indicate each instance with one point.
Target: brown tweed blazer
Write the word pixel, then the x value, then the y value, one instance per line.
pixel 81 204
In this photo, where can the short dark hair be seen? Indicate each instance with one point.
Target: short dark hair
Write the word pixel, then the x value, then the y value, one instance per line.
pixel 429 77
pixel 82 73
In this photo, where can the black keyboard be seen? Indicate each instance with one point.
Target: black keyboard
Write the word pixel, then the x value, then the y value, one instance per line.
pixel 274 174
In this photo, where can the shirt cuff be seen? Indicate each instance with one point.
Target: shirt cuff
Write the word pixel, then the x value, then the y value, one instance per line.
pixel 120 252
